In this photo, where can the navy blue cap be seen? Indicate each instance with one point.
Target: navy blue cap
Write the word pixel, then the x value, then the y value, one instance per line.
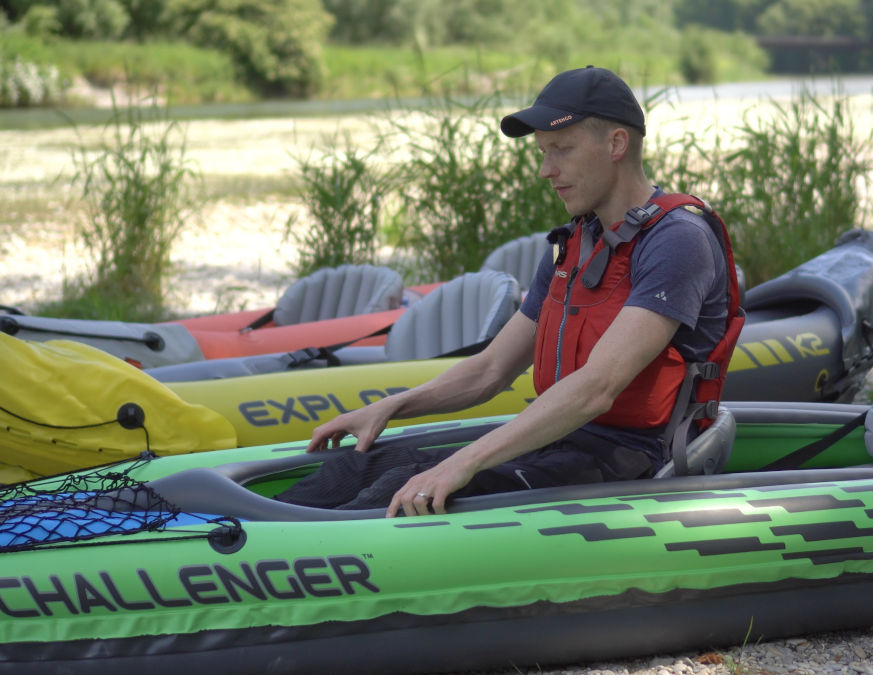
pixel 572 96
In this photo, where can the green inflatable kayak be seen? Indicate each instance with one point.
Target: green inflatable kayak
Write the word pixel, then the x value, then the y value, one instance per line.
pixel 186 564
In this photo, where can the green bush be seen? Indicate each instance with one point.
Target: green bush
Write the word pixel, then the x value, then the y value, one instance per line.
pixel 275 44
pixel 88 19
pixel 41 21
pixel 433 23
pixel 697 60
pixel 92 19
pixel 28 76
pixel 362 21
pixel 146 18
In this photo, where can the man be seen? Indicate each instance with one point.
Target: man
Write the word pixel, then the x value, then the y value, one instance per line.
pixel 598 321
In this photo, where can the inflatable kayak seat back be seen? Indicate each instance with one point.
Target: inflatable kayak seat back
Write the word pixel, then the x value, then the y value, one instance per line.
pixel 335 292
pixel 465 311
pixel 741 282
pixel 519 257
pixel 710 451
pixel 868 432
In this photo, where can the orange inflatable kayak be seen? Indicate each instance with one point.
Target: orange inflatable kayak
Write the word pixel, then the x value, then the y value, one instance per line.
pixel 219 344
pixel 351 303
pixel 226 335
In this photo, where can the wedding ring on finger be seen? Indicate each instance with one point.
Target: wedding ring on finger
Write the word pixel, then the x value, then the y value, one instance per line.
pixel 423 495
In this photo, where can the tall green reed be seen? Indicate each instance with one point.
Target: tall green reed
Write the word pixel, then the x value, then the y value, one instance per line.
pixel 343 193
pixel 468 188
pixel 441 186
pixel 787 184
pixel 136 197
pixel 794 184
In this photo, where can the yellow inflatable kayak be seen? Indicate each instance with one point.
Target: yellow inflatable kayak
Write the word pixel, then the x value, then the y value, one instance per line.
pixel 279 407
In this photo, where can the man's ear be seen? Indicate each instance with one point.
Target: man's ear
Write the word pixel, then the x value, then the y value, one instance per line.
pixel 619 141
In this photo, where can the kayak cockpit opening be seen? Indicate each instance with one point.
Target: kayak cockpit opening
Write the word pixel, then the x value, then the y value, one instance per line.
pixel 246 489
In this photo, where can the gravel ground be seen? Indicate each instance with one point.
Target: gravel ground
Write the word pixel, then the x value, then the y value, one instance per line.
pixel 845 653
pixel 236 256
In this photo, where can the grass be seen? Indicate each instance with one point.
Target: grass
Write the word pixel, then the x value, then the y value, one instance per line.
pixel 397 72
pixel 186 74
pixel 181 72
pixel 787 185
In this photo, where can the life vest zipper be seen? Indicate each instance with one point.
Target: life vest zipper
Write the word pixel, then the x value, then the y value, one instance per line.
pixel 573 274
pixel 580 263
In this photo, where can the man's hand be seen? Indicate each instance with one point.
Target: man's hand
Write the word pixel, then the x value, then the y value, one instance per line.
pixel 365 424
pixel 429 489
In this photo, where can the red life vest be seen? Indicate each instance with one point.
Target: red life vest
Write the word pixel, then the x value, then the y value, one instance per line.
pixel 586 295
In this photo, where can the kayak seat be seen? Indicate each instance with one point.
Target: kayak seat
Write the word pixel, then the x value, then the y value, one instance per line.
pixel 741 283
pixel 868 432
pixel 519 257
pixel 710 451
pixel 466 311
pixel 336 292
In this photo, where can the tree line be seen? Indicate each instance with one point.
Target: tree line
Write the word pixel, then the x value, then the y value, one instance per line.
pixel 276 45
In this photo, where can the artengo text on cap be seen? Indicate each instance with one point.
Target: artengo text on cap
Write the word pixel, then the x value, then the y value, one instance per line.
pixel 560 119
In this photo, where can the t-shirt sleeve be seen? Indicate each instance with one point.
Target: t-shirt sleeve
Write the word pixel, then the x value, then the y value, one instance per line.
pixel 674 268
pixel 533 301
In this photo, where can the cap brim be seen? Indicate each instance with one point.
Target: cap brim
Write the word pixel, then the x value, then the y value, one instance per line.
pixel 537 117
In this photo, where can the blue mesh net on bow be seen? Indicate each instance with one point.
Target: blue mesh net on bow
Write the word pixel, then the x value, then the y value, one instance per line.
pixel 78 507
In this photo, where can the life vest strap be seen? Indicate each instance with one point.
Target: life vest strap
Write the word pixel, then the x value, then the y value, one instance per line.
pixel 685 411
pixel 262 320
pixel 638 218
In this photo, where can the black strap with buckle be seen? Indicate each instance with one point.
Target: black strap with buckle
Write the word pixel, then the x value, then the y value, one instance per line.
pixel 634 220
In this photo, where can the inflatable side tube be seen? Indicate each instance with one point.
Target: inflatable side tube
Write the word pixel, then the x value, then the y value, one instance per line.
pixel 212 491
pixel 145 345
pixel 480 638
pixel 262 364
pixel 799 355
pixel 842 279
pixel 238 366
pixel 805 287
pixel 775 412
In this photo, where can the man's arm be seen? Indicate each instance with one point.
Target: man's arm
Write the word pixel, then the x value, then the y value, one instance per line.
pixel 472 381
pixel 632 341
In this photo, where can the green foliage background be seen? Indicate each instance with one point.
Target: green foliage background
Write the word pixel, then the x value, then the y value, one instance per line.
pixel 318 48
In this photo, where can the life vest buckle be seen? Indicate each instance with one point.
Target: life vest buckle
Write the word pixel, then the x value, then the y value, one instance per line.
pixel 709 370
pixel 707 410
pixel 638 216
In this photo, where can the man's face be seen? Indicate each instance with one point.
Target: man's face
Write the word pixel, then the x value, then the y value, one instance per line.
pixel 576 161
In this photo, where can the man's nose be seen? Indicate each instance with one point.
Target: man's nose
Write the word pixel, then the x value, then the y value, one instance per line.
pixel 548 169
